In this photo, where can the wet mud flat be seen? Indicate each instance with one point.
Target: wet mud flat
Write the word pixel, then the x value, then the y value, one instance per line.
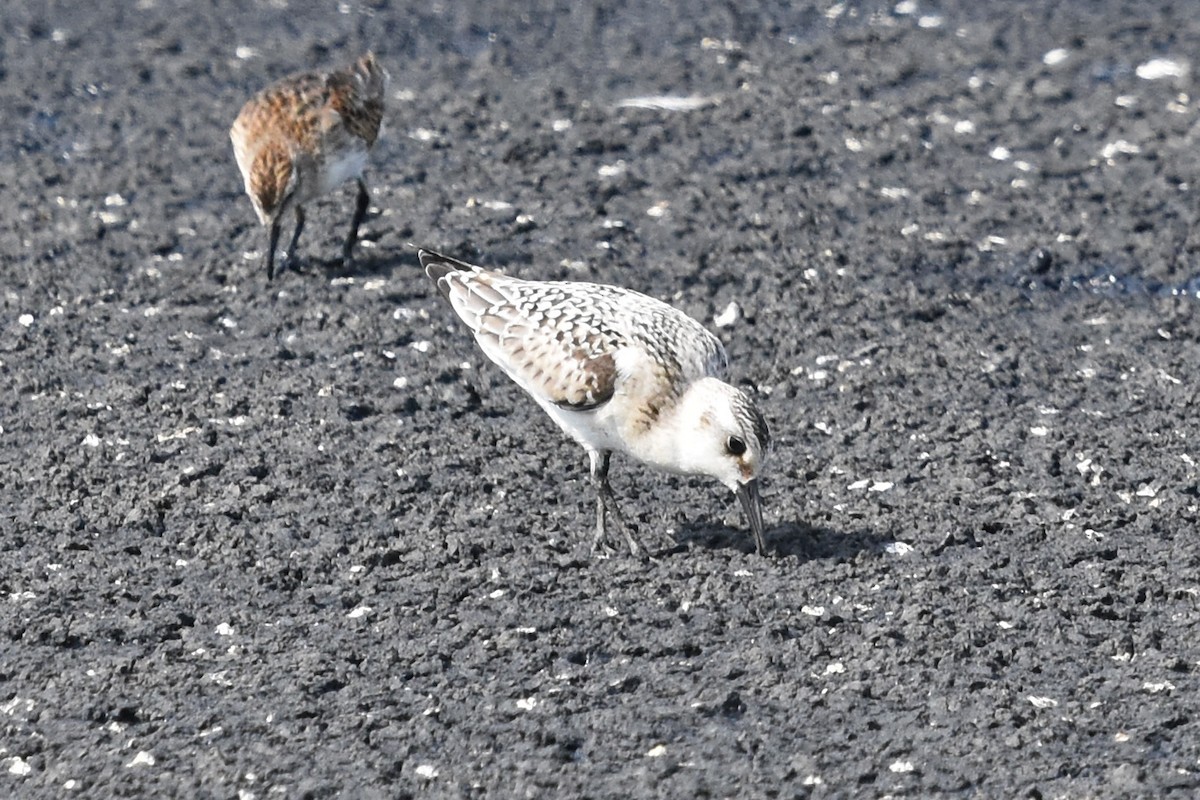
pixel 300 538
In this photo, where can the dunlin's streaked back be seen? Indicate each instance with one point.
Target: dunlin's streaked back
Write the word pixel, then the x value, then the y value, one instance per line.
pixel 303 137
pixel 619 372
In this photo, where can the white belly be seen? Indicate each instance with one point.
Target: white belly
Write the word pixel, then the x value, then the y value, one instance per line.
pixel 595 429
pixel 341 167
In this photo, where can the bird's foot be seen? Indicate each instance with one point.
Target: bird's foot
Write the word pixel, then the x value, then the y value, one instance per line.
pixel 288 263
pixel 348 248
pixel 599 542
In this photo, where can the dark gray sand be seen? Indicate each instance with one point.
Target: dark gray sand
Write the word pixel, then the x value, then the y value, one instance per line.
pixel 301 539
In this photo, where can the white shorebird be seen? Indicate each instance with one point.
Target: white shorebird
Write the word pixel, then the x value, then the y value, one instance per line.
pixel 619 372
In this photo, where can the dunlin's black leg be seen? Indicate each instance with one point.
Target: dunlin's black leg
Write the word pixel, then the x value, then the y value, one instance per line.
pixel 290 259
pixel 360 213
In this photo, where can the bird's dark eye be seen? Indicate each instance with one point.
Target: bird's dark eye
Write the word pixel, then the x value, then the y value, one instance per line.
pixel 735 446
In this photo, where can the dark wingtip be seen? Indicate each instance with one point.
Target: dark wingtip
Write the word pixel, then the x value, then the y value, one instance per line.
pixel 427 256
pixel 438 266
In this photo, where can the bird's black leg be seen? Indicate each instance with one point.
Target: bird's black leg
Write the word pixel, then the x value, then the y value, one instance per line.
pixel 606 503
pixel 290 260
pixel 272 243
pixel 360 213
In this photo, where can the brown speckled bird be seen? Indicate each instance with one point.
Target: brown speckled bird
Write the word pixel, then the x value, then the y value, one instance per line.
pixel 303 137
pixel 619 372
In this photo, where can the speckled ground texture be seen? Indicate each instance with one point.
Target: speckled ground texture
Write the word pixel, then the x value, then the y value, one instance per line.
pixel 300 539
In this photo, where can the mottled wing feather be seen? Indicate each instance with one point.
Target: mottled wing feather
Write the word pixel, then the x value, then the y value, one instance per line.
pixel 569 368
pixel 716 359
pixel 567 342
pixel 480 299
pixel 305 100
pixel 324 109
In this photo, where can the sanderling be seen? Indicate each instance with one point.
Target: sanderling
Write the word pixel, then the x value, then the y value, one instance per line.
pixel 619 372
pixel 305 136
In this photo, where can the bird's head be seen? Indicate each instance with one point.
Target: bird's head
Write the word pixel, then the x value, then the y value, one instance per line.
pixel 725 436
pixel 271 181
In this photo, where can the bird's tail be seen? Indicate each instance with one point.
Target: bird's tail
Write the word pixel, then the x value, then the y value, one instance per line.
pixel 373 76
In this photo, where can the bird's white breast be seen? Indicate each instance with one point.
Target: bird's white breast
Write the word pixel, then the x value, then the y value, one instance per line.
pixel 341 167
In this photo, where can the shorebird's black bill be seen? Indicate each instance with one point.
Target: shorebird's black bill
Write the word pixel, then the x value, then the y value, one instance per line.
pixel 748 493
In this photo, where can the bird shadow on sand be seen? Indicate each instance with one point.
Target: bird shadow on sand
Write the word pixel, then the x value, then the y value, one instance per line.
pixel 366 264
pixel 789 540
pixel 321 259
